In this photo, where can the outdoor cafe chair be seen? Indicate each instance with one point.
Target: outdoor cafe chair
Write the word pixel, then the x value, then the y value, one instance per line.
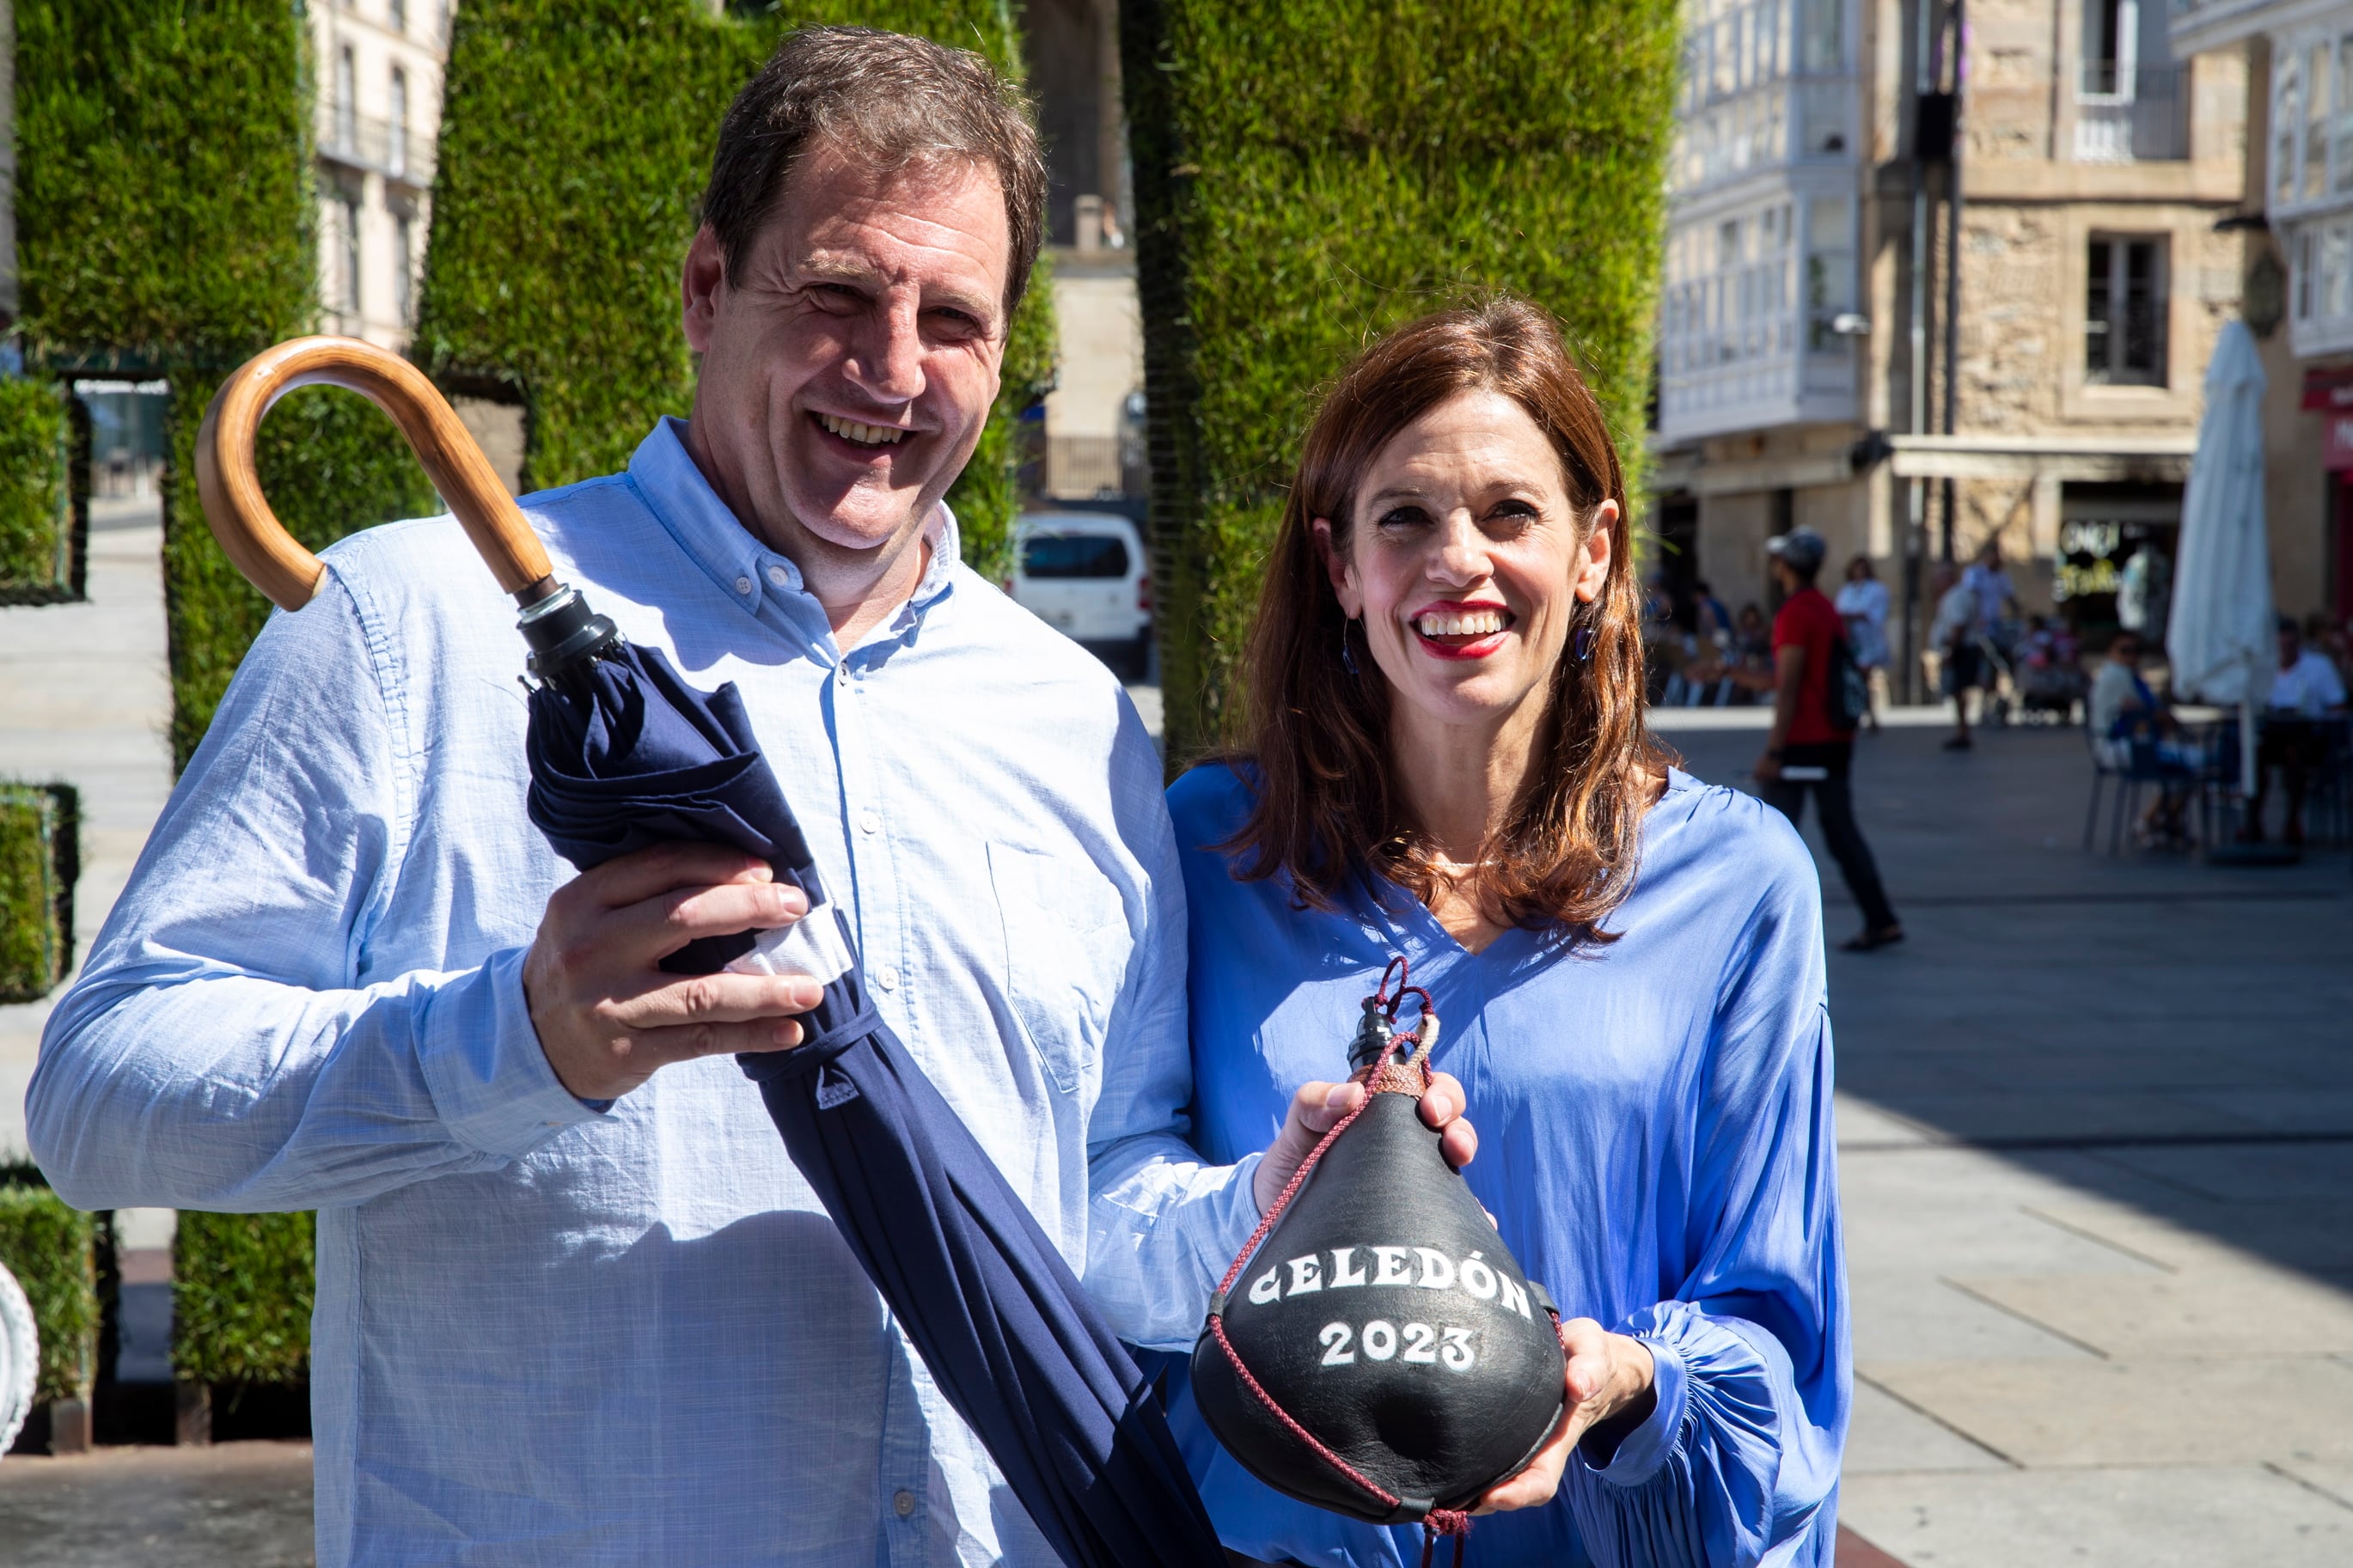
pixel 2126 765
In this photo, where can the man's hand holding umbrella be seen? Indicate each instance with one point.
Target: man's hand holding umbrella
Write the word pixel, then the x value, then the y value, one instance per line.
pixel 609 1016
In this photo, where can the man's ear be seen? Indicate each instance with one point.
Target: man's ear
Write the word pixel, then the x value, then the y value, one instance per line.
pixel 1593 570
pixel 1338 572
pixel 700 280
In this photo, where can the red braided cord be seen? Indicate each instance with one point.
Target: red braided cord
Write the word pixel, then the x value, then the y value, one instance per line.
pixel 1429 1535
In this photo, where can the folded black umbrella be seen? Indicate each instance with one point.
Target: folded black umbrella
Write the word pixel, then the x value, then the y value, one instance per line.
pixel 625 755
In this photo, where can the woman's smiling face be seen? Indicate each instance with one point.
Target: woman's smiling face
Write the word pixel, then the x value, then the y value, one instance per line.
pixel 1466 561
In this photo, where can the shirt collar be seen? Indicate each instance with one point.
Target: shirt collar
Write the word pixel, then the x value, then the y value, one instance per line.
pixel 734 558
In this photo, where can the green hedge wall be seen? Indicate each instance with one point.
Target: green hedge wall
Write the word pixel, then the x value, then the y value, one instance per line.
pixel 165 212
pixel 163 195
pixel 1310 172
pixel 241 1293
pixel 575 138
pixel 50 1249
pixel 38 560
pixel 39 859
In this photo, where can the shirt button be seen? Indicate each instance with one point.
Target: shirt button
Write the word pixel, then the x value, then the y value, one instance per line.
pixel 887 977
pixel 902 1504
pixel 776 576
pixel 743 584
pixel 870 822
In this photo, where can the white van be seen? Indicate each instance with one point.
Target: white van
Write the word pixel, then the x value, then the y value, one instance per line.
pixel 1086 574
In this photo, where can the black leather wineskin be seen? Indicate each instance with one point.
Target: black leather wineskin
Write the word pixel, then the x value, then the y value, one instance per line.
pixel 1385 1316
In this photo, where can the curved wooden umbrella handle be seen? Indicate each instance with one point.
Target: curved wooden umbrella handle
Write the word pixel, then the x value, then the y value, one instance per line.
pixel 259 545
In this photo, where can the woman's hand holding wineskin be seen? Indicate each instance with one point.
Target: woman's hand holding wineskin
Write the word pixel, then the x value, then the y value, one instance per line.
pixel 1611 1387
pixel 1317 1107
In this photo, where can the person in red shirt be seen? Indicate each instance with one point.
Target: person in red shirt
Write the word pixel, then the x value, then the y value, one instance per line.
pixel 1810 748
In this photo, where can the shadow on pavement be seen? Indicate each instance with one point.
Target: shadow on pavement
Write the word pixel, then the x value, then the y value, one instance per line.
pixel 2173 1035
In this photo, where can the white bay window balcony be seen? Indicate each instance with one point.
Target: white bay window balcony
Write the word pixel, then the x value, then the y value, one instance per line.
pixel 1760 288
pixel 2309 178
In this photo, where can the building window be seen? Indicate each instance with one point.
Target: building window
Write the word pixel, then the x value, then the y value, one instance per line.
pixel 2312 120
pixel 2123 312
pixel 1728 297
pixel 2111 47
pixel 396 15
pixel 2320 285
pixel 347 108
pixel 351 255
pixel 1829 274
pixel 403 269
pixel 2132 99
pixel 396 138
pixel 1763 82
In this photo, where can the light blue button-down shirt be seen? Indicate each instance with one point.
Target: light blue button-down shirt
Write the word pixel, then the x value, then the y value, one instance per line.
pixel 551 1334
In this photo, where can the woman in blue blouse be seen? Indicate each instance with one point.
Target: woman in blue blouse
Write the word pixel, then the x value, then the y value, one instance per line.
pixel 1446 758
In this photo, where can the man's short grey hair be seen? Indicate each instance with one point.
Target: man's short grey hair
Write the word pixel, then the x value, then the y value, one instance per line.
pixel 885 99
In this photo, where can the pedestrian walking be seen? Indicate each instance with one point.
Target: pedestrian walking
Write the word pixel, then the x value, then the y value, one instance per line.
pixel 1812 744
pixel 1953 634
pixel 1863 604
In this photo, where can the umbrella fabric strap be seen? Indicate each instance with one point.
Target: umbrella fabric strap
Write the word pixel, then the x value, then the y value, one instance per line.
pixel 1380 1077
pixel 821 1042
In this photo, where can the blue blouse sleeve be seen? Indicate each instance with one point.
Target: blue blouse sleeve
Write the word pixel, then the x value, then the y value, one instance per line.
pixel 1754 1378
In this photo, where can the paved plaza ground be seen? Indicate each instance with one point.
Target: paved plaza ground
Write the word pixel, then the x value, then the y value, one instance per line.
pixel 2096 1145
pixel 2096 1155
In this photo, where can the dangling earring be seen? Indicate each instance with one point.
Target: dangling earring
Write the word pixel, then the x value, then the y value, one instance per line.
pixel 1347 653
pixel 1584 645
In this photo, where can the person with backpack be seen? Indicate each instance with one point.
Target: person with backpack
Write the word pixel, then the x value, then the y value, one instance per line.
pixel 1820 696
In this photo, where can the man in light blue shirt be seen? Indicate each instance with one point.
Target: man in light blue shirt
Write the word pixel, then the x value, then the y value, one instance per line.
pixel 575 1305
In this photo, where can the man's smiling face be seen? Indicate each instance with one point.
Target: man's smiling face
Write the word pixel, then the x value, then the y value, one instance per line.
pixel 849 365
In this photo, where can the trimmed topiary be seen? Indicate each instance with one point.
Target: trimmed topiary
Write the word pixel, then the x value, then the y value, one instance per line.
pixel 165 226
pixel 1309 174
pixel 51 1249
pixel 39 859
pixel 577 135
pixel 38 560
pixel 241 1293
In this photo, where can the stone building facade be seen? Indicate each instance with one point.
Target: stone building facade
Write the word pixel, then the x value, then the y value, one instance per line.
pixel 2092 279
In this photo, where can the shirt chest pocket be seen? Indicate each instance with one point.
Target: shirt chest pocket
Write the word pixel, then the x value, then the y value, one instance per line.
pixel 1066 951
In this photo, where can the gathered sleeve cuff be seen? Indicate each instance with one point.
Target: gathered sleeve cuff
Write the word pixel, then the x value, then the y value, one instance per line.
pixel 1641 1451
pixel 1728 1463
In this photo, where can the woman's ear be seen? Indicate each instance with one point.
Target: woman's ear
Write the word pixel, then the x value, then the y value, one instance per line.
pixel 1342 575
pixel 1593 564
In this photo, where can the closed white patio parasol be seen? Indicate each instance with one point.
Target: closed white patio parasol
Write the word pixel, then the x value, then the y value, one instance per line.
pixel 20 1357
pixel 2221 637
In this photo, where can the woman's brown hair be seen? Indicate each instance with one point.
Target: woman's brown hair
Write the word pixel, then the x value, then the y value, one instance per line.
pixel 1329 809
